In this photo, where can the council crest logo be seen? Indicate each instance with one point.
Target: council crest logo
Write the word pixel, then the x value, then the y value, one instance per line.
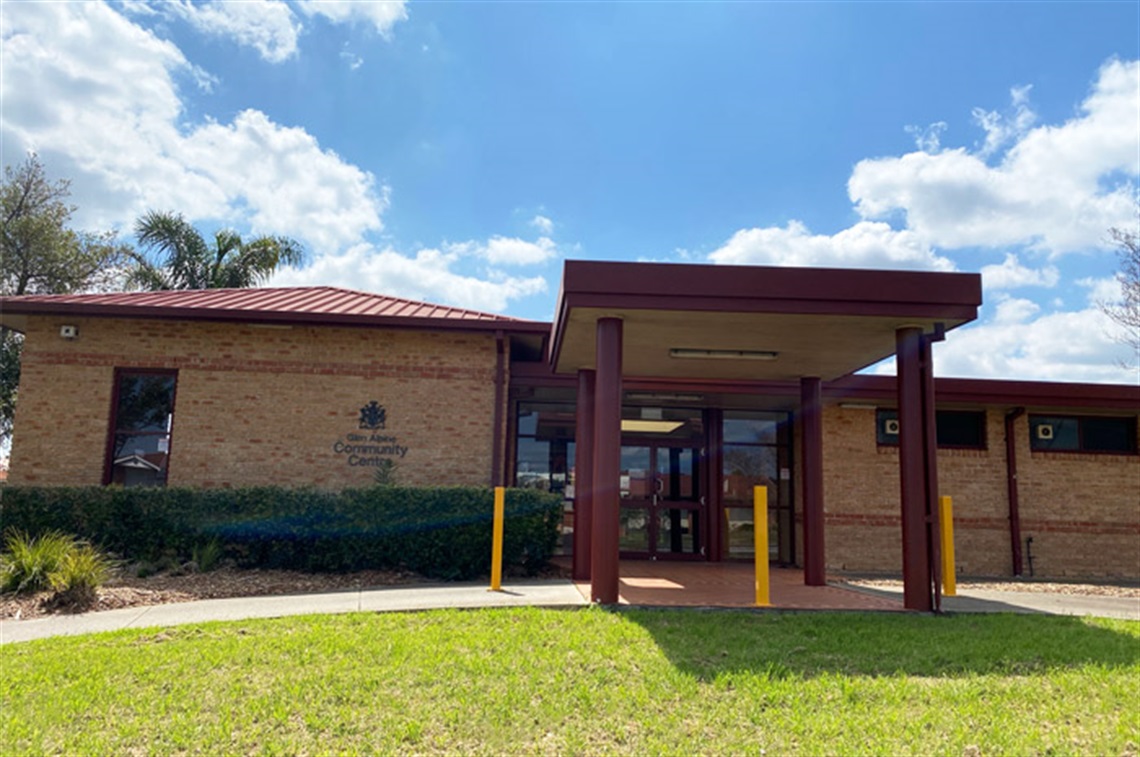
pixel 373 416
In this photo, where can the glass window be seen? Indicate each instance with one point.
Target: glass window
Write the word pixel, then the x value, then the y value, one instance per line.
pixel 750 430
pixel 141 428
pixel 747 467
pixel 544 451
pixel 1082 434
pixel 953 428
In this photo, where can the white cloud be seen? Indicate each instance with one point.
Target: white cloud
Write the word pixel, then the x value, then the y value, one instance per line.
pixel 114 125
pixel 289 184
pixel 268 26
pixel 1001 128
pixel 864 245
pixel 543 224
pixel 354 61
pixel 1015 310
pixel 427 275
pixel 1011 274
pixel 1057 188
pixel 1069 346
pixel 1102 290
pixel 513 251
pixel 928 139
pixel 381 15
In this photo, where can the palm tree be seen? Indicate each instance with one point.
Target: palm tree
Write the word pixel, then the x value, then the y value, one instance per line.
pixel 186 261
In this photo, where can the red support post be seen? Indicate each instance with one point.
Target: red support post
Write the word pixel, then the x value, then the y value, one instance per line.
pixel 931 515
pixel 607 462
pixel 583 475
pixel 811 433
pixel 912 470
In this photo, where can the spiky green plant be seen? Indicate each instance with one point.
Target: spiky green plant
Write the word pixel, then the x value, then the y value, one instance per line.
pixel 207 556
pixel 82 570
pixel 28 563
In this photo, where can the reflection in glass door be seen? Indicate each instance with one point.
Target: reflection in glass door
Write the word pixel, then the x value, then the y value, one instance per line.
pixel 661 510
pixel 757 451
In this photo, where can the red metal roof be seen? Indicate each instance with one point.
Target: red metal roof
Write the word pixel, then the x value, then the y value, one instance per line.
pixel 288 304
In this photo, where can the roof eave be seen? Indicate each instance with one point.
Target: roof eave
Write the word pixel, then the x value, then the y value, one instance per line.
pixel 14 316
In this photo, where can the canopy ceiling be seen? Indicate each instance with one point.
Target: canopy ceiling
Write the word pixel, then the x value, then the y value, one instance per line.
pixel 681 321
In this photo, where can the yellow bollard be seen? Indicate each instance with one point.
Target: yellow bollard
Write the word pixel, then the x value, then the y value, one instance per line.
pixel 946 516
pixel 760 529
pixel 497 542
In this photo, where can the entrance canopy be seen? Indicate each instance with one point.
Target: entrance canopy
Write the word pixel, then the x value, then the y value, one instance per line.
pixel 750 322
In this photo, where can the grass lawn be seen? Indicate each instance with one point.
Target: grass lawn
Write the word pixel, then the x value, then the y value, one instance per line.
pixel 583 681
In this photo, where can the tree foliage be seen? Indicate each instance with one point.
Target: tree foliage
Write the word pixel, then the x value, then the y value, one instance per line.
pixel 41 254
pixel 1126 311
pixel 178 257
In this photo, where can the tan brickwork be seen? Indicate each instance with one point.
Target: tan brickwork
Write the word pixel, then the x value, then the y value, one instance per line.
pixel 260 405
pixel 1083 511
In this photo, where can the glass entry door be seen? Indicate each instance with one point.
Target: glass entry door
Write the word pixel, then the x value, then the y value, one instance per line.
pixel 662 515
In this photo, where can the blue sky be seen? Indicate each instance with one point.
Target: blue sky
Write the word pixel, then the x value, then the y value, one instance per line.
pixel 459 152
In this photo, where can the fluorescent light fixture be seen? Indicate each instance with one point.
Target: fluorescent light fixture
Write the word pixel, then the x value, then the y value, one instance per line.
pixel 634 426
pixel 684 352
pixel 858 406
pixel 654 397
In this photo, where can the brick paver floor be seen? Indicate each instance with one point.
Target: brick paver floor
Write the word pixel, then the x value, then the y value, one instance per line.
pixel 700 584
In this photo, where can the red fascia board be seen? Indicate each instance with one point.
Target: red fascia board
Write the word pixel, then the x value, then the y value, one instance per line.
pixel 924 310
pixel 771 282
pixel 990 392
pixel 880 389
pixel 291 318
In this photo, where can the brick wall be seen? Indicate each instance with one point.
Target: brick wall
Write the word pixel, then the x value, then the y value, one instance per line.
pixel 1083 511
pixel 259 405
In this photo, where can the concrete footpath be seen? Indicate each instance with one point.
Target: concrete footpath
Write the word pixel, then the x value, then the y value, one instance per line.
pixel 538 593
pixel 1026 602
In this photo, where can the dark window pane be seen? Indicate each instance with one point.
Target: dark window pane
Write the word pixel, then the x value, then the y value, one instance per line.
pixel 958 428
pixel 953 428
pixel 532 470
pixel 528 421
pixel 750 430
pixel 146 402
pixel 143 419
pixel 635 482
pixel 1054 433
pixel 1108 434
pixel 746 467
pixel 887 426
pixel 633 529
pixel 545 420
pixel 140 459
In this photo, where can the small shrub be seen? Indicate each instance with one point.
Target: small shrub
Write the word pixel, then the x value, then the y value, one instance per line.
pixel 207 556
pixel 70 567
pixel 28 563
pixel 82 570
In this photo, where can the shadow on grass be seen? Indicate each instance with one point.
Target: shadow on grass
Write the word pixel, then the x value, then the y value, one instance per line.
pixel 1123 608
pixel 707 644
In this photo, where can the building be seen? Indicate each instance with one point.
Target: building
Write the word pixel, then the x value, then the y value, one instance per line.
pixel 689 384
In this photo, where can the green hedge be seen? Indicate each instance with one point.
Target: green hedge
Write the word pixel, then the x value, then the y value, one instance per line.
pixel 442 532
